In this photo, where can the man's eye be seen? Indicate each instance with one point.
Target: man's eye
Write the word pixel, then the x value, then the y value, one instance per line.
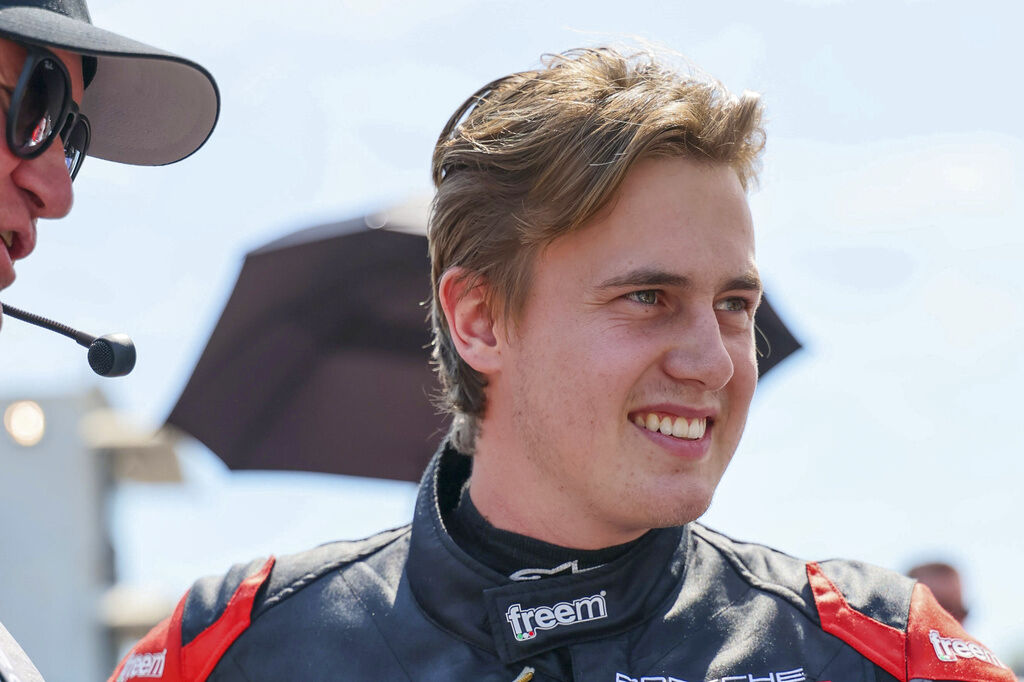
pixel 733 305
pixel 646 296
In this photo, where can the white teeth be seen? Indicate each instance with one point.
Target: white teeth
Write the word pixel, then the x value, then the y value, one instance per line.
pixel 679 427
pixel 8 237
pixel 666 426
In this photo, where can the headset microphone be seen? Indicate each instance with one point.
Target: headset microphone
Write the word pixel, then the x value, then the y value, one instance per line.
pixel 112 355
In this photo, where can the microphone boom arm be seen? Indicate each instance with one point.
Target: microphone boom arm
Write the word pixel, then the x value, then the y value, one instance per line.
pixel 82 338
pixel 112 355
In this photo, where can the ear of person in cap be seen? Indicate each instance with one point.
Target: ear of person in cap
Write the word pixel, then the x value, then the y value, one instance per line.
pixel 145 106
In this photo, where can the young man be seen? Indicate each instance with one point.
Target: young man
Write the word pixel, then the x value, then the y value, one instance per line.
pixel 68 89
pixel 593 303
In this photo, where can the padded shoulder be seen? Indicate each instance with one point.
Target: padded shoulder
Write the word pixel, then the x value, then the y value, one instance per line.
pixel 926 644
pixel 294 572
pixel 217 610
pixel 161 652
pixel 878 593
pixel 888 618
pixel 208 597
pixel 766 569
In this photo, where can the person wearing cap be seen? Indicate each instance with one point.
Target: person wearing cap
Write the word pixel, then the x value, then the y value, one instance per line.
pixel 594 291
pixel 69 90
pixel 99 94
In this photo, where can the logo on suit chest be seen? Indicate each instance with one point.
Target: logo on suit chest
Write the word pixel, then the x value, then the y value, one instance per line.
pixel 526 622
pixel 796 675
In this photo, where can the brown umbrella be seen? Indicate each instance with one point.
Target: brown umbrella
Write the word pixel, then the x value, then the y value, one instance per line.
pixel 319 361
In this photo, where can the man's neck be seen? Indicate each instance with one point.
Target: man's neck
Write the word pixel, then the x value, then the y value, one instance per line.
pixel 518 556
pixel 513 496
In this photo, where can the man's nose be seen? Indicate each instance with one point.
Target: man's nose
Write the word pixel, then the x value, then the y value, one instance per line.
pixel 44 181
pixel 699 354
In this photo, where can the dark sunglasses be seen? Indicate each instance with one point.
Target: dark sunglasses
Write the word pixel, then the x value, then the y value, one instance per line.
pixel 42 108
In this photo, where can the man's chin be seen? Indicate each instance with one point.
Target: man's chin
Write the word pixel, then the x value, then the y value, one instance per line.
pixel 668 513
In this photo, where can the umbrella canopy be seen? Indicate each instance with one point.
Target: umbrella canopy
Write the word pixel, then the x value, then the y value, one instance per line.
pixel 775 342
pixel 319 361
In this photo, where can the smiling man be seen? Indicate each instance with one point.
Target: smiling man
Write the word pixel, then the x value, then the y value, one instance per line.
pixel 594 291
pixel 617 396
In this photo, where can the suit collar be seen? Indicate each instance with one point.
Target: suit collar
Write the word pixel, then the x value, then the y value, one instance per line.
pixel 517 620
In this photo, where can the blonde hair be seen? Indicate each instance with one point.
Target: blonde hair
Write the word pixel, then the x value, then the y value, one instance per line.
pixel 534 155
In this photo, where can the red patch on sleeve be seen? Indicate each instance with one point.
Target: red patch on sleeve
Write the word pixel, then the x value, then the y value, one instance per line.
pixel 939 648
pixel 882 644
pixel 934 647
pixel 160 655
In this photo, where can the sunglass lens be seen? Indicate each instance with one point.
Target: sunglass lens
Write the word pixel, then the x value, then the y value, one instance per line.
pixel 35 120
pixel 76 144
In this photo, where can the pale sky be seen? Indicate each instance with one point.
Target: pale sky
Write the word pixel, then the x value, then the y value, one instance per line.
pixel 889 234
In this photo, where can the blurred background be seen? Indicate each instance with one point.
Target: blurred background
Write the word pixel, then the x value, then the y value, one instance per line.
pixel 889 223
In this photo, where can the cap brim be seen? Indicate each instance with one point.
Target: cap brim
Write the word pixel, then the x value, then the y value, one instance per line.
pixel 145 106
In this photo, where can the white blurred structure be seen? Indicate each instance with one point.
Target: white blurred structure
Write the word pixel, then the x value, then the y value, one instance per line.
pixel 59 458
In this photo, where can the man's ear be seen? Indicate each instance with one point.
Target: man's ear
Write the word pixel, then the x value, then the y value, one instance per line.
pixel 470 322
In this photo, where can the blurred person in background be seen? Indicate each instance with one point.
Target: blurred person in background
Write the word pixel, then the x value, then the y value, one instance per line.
pixel 594 290
pixel 944 582
pixel 68 90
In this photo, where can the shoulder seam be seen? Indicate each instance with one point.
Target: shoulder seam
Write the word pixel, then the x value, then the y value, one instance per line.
pixel 744 571
pixel 384 539
pixel 372 617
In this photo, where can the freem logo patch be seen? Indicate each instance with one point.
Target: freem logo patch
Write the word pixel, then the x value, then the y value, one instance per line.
pixel 143 665
pixel 952 649
pixel 526 622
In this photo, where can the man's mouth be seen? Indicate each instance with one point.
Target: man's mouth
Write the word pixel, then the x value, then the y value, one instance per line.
pixel 10 250
pixel 677 427
pixel 18 243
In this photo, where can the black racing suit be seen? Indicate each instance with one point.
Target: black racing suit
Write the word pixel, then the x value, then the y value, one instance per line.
pixel 684 604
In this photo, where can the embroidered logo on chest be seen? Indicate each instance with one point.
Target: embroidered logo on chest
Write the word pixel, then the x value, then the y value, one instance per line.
pixel 526 622
pixel 796 675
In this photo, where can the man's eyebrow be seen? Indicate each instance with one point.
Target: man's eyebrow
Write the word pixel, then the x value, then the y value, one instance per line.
pixel 652 277
pixel 645 277
pixel 748 282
